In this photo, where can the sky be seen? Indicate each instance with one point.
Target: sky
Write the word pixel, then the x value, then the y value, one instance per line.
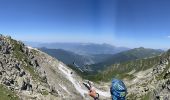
pixel 128 23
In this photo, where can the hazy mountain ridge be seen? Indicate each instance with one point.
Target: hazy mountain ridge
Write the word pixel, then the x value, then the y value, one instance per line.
pixel 85 48
pixel 68 57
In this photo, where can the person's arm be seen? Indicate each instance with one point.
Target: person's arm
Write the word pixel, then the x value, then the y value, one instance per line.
pixel 92 93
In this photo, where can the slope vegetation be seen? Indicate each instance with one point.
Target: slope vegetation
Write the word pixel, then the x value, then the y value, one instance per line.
pixel 133 54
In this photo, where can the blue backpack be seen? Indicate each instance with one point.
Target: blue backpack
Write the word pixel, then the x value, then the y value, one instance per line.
pixel 118 90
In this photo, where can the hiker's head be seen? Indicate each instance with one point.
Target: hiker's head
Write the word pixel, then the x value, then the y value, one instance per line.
pixel 118 90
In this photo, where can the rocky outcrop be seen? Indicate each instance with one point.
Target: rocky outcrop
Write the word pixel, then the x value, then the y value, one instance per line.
pixel 12 73
pixel 22 72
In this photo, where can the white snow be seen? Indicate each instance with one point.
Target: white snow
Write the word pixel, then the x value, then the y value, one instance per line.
pixel 77 85
pixel 32 48
pixel 64 88
pixel 72 80
pixel 103 93
pixel 29 47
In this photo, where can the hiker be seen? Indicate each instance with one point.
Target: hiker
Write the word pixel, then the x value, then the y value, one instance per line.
pixel 118 91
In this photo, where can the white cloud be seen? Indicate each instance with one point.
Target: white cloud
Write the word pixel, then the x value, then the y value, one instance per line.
pixel 169 36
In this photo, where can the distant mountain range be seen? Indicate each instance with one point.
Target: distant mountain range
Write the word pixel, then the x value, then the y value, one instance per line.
pixel 82 48
pixel 69 57
pixel 96 56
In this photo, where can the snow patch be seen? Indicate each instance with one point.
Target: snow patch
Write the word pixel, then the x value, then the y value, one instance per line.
pixel 77 85
pixel 64 88
pixel 32 48
pixel 103 93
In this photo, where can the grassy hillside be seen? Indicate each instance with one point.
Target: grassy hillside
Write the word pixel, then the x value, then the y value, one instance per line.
pixel 133 54
pixel 120 70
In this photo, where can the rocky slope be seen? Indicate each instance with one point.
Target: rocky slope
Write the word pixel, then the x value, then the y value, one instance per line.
pixel 33 75
pixel 151 84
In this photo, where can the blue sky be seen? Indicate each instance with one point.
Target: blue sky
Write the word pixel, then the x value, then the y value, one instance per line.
pixel 130 23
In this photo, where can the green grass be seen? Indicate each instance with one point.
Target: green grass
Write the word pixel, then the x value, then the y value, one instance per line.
pixel 6 94
pixel 120 70
pixel 146 97
pixel 97 77
pixel 131 97
pixel 44 92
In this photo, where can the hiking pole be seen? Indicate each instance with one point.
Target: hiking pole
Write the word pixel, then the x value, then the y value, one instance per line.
pixel 88 86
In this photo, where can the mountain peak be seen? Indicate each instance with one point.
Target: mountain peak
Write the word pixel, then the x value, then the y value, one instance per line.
pixel 141 48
